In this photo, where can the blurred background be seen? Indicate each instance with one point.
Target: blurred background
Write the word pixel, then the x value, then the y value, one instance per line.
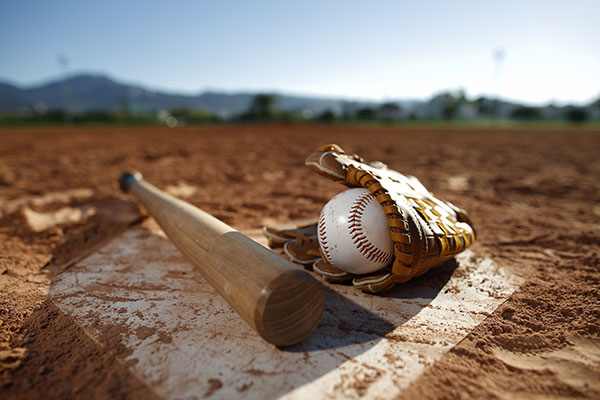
pixel 191 62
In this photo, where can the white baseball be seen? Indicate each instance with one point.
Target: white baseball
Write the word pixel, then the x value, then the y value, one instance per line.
pixel 354 234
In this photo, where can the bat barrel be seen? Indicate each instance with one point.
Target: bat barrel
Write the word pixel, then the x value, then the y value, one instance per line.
pixel 278 299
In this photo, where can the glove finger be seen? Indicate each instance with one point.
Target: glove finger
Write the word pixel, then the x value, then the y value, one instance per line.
pixel 374 283
pixel 325 164
pixel 278 237
pixel 275 237
pixel 303 252
pixel 330 273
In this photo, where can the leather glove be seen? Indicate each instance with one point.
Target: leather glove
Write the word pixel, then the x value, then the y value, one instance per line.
pixel 426 230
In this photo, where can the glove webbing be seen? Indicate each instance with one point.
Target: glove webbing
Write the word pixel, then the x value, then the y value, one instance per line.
pixel 453 242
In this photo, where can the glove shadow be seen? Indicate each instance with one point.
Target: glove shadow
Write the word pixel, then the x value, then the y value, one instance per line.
pixel 352 317
pixel 426 286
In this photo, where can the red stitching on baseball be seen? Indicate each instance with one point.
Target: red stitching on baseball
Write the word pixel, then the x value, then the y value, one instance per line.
pixel 323 237
pixel 359 237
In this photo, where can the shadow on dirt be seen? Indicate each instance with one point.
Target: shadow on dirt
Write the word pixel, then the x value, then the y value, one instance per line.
pixel 352 317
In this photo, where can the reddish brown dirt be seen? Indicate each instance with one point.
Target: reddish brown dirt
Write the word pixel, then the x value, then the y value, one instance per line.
pixel 534 196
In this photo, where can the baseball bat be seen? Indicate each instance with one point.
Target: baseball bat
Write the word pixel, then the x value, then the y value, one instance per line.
pixel 278 299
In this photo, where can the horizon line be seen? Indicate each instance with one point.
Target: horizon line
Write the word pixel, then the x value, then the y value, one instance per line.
pixel 283 92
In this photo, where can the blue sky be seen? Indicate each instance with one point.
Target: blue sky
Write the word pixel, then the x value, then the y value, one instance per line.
pixel 374 50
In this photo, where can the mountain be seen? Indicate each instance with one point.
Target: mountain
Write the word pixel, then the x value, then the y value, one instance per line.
pixel 86 92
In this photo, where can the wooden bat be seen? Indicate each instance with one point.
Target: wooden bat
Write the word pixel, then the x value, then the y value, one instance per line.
pixel 278 299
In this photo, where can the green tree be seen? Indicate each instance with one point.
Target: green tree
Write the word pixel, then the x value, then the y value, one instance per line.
pixel 450 103
pixel 192 116
pixel 327 116
pixel 576 114
pixel 525 113
pixel 484 107
pixel 390 111
pixel 366 114
pixel 287 116
pixel 262 108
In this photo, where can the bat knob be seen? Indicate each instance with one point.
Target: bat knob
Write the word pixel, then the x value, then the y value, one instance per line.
pixel 128 178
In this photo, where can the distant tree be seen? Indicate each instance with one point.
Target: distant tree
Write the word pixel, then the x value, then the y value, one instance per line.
pixel 576 114
pixel 99 116
pixel 349 111
pixel 366 114
pixel 287 116
pixel 390 111
pixel 485 107
pixel 180 112
pixel 525 113
pixel 263 104
pixel 327 116
pixel 348 116
pixel 192 116
pixel 450 103
pixel 262 108
pixel 59 115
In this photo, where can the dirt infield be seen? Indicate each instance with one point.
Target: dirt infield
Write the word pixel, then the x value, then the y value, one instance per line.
pixel 533 195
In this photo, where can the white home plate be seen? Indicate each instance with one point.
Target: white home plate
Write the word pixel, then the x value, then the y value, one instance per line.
pixel 185 341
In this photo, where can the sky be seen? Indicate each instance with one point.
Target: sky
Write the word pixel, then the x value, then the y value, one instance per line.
pixel 530 51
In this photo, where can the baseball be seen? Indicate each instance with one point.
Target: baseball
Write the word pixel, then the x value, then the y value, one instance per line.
pixel 353 232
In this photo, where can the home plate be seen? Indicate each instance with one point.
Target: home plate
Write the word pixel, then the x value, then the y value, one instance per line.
pixel 174 331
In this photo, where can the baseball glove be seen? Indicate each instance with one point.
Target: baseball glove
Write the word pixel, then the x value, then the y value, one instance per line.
pixel 426 231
